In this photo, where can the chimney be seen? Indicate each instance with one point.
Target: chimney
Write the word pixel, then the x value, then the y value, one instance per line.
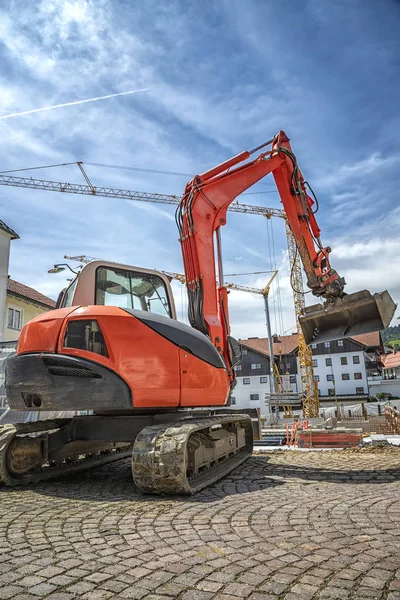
pixel 275 338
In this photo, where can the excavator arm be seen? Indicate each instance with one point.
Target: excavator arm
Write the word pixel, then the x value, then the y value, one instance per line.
pixel 202 213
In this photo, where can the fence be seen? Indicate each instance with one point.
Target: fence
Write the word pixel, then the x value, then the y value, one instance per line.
pixel 7 349
pixel 393 420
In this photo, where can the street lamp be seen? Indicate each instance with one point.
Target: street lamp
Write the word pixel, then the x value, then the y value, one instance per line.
pixel 61 267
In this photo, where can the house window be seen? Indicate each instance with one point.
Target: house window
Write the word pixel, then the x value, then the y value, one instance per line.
pixel 238 367
pixel 316 377
pixel 246 380
pixel 357 375
pixel 255 366
pixel 14 320
pixel 327 344
pixel 315 362
pixel 331 392
pixel 263 379
pixel 293 379
pixel 359 390
pixel 328 362
pixel 356 360
pixel 313 346
pixel 288 366
pixel 244 350
pixel 330 378
pixel 343 360
pixel 233 400
pixel 345 376
pixel 254 396
pixel 340 342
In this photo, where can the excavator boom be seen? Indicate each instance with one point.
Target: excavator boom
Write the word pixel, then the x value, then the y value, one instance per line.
pixel 202 213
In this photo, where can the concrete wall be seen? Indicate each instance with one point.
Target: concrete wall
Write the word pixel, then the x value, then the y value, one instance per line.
pixel 379 386
pixel 29 311
pixel 5 240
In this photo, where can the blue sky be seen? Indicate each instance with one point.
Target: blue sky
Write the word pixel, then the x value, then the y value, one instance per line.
pixel 221 77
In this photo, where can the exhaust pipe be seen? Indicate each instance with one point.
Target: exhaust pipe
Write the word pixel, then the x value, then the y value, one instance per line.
pixel 353 314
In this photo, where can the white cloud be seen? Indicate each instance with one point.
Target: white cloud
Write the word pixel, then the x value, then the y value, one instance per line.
pixel 359 171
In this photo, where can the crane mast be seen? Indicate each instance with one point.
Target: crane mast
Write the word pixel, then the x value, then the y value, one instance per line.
pixel 309 389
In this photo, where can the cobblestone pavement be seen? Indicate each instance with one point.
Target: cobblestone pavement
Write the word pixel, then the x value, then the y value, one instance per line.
pixel 285 525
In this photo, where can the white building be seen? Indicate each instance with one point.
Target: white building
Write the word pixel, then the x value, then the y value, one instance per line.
pixel 6 235
pixel 343 369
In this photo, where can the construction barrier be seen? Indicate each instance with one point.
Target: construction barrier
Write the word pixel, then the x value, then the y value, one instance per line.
pixel 314 438
pixel 292 431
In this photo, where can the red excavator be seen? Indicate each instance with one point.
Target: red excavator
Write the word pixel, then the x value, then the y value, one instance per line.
pixel 114 348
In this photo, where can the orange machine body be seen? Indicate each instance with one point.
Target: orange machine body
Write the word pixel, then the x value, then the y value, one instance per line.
pixel 158 372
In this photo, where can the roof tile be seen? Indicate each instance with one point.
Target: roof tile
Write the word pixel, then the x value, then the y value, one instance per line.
pixel 372 339
pixel 391 361
pixel 27 292
pixel 285 345
pixel 289 343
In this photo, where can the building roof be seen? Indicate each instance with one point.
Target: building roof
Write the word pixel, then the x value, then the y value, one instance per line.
pixel 371 340
pixel 285 345
pixel 7 229
pixel 289 343
pixel 391 361
pixel 19 289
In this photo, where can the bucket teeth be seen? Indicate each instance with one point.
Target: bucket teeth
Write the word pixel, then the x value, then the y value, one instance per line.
pixel 351 315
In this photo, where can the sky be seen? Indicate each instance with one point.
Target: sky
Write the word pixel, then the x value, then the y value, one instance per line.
pixel 219 77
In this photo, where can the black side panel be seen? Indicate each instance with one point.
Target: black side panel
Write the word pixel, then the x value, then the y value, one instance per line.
pixel 181 335
pixel 58 382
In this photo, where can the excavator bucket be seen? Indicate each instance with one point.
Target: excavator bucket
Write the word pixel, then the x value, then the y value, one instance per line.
pixel 351 315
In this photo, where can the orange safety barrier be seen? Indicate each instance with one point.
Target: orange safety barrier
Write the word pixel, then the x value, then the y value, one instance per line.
pixel 291 431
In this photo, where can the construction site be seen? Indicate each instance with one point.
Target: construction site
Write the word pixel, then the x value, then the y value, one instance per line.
pixel 199 384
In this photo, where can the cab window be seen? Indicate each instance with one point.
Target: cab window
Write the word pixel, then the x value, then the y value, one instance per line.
pixel 130 289
pixel 66 296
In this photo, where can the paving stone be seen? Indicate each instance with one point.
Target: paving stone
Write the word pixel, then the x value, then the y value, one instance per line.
pixel 242 590
pixel 80 587
pixel 30 581
pixel 98 577
pixel 197 595
pixel 137 593
pixel 61 596
pixel 11 591
pixel 290 525
pixel 209 586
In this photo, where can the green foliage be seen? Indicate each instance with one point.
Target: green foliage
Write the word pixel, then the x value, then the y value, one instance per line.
pixel 384 396
pixel 395 344
pixel 391 334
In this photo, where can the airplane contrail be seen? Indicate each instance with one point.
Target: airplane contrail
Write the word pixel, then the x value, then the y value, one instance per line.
pixel 35 110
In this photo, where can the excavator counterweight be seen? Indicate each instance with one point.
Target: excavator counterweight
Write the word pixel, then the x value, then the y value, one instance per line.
pixel 352 314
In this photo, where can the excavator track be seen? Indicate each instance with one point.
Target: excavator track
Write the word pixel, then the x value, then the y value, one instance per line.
pixel 49 470
pixel 189 455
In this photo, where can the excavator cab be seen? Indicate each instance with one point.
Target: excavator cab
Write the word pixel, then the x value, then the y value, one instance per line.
pixel 104 283
pixel 353 314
